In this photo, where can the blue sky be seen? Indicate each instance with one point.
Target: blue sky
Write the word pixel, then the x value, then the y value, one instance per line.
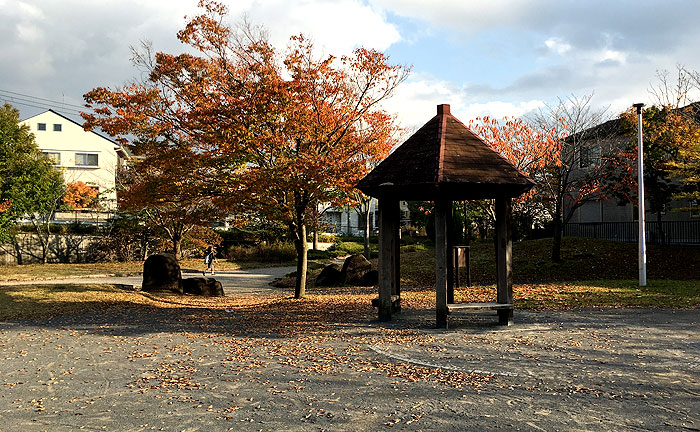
pixel 492 57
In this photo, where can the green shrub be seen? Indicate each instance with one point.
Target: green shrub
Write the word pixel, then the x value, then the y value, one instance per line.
pixel 275 252
pixel 321 255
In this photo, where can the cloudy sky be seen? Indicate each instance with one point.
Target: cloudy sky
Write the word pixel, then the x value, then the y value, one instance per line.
pixel 484 57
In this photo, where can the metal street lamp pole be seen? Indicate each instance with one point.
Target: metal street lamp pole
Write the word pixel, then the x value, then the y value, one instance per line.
pixel 640 182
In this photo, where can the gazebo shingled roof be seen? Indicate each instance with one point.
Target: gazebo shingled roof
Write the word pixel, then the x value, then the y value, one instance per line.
pixel 444 159
pixel 443 162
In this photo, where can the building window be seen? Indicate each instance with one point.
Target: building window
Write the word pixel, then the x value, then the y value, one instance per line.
pixel 54 157
pixel 86 159
pixel 694 209
pixel 57 127
pixel 589 156
pixel 41 126
pixel 332 221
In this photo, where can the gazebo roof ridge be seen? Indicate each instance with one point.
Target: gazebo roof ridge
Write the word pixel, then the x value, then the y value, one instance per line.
pixel 444 158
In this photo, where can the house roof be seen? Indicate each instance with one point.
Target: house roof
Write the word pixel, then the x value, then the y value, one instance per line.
pixel 123 152
pixel 444 160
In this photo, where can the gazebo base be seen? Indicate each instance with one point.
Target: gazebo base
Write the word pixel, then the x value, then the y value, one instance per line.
pixel 505 310
pixel 395 303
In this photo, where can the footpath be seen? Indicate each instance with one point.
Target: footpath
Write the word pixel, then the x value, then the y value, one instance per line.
pixel 243 282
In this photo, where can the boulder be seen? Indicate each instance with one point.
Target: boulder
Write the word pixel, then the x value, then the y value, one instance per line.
pixel 161 272
pixel 354 269
pixel 371 278
pixel 329 276
pixel 203 286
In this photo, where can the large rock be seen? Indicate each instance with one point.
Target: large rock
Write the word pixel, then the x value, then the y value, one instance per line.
pixel 161 272
pixel 203 286
pixel 371 278
pixel 354 269
pixel 329 276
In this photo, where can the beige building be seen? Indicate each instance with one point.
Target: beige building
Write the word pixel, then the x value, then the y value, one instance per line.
pixel 82 156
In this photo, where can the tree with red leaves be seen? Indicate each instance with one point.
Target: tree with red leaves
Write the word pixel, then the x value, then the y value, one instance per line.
pixel 548 149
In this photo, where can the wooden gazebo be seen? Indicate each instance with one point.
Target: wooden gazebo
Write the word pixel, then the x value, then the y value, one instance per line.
pixel 443 162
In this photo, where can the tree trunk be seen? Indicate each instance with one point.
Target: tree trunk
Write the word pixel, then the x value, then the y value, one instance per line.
pixel 302 264
pixel 367 251
pixel 660 228
pixel 556 243
pixel 144 248
pixel 316 240
pixel 18 252
pixel 44 242
pixel 177 246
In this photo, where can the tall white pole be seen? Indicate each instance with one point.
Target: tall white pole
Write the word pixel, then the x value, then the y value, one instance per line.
pixel 640 181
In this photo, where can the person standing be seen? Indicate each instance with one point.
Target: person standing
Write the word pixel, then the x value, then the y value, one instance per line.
pixel 209 258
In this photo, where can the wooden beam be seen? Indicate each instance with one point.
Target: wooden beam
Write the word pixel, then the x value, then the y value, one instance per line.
pixel 441 263
pixel 488 305
pixel 387 261
pixel 449 243
pixel 504 253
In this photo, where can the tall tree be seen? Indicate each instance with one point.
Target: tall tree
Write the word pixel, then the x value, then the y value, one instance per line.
pixel 548 148
pixel 571 179
pixel 274 133
pixel 30 186
pixel 333 131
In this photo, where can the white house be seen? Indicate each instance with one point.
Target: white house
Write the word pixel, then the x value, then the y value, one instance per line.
pixel 82 156
pixel 347 220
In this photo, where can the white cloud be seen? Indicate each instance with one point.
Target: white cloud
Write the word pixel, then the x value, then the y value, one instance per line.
pixel 499 109
pixel 557 45
pixel 471 16
pixel 337 26
pixel 417 99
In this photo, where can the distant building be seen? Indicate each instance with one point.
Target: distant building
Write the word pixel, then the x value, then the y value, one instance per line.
pixel 81 156
pixel 347 220
pixel 611 219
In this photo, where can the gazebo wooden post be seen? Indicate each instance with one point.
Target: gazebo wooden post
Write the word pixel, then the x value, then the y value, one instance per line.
pixel 396 256
pixel 441 261
pixel 504 251
pixel 449 246
pixel 388 233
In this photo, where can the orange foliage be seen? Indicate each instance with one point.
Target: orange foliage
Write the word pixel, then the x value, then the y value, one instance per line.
pixel 241 129
pixel 78 195
pixel 531 150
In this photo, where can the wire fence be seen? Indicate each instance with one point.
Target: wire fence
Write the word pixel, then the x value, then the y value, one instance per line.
pixel 676 232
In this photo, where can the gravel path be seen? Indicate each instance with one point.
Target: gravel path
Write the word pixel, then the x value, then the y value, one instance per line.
pixel 235 282
pixel 185 369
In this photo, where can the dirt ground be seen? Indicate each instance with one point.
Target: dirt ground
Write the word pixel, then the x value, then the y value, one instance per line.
pixel 183 369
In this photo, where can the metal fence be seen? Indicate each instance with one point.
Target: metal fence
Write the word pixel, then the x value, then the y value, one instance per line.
pixel 677 232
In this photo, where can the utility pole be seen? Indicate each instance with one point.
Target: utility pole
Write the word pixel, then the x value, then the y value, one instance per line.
pixel 640 182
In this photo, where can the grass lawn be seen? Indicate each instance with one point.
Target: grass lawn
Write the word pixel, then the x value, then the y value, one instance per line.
pixel 594 273
pixel 20 302
pixel 583 259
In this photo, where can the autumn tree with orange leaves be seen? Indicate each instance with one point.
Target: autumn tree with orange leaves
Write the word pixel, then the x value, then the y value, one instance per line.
pixel 327 137
pixel 79 195
pixel 547 148
pixel 240 128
